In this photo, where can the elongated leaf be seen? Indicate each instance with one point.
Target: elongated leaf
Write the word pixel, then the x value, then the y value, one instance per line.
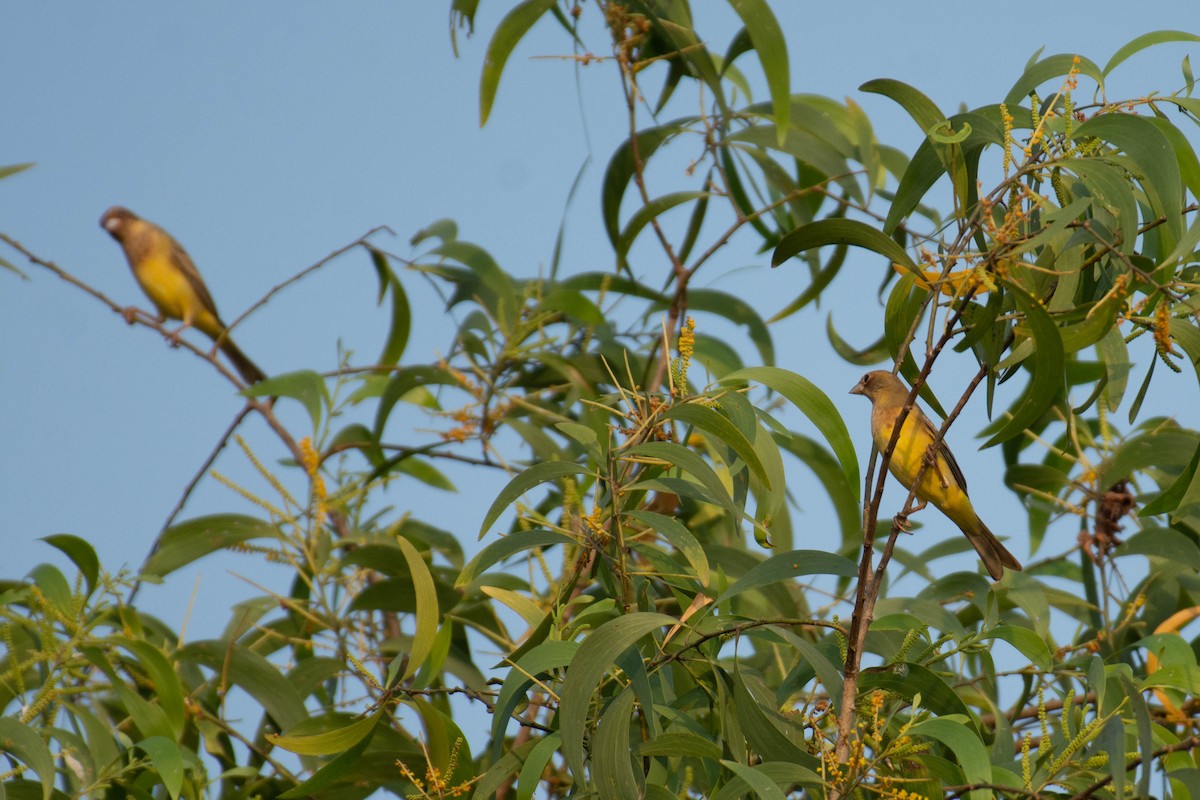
pixel 305 386
pixel 507 546
pixel 539 659
pixel 1147 40
pixel 725 432
pixel 760 784
pixel 167 760
pixel 677 534
pixel 330 742
pixel 680 743
pixel 168 691
pixel 769 42
pixel 188 541
pixel 908 680
pixel 531 477
pixel 24 744
pixel 967 748
pixel 612 765
pixel 81 553
pixel 535 765
pixel 691 463
pixel 651 211
pixel 260 678
pixel 427 606
pixel 1155 159
pixel 1027 641
pixel 329 773
pixel 840 231
pixel 631 156
pixel 789 566
pixel 596 656
pixel 1050 67
pixel 508 33
pixel 815 405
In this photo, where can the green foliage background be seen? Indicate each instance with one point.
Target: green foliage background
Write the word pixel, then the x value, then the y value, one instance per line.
pixel 654 646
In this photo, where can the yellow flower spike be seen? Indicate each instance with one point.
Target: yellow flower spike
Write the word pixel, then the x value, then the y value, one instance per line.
pixel 953 285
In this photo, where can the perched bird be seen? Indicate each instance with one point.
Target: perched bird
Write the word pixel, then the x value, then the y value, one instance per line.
pixel 167 275
pixel 943 483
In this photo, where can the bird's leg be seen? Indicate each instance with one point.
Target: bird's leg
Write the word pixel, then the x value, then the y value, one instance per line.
pixel 174 335
pixel 129 312
pixel 931 461
pixel 920 505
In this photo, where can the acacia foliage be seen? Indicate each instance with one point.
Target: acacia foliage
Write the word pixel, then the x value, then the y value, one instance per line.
pixel 655 646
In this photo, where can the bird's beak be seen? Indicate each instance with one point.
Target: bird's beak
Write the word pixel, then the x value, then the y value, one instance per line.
pixel 857 389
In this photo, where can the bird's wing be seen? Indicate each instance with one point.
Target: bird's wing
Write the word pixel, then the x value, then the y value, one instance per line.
pixel 180 257
pixel 944 452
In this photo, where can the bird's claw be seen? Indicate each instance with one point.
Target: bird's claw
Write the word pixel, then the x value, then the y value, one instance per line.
pixel 129 313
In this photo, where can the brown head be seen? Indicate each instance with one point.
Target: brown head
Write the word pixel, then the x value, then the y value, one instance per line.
pixel 881 385
pixel 116 221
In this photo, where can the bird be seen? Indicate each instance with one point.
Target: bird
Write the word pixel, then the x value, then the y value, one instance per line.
pixel 943 483
pixel 167 275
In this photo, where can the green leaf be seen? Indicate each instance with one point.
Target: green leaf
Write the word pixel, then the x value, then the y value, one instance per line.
pixel 1165 543
pixel 401 322
pixel 815 405
pixel 260 678
pixel 24 744
pixel 1027 641
pixel 53 584
pixel 868 356
pixel 1144 41
pixel 909 680
pixel 690 462
pixel 769 42
pixel 81 553
pixel 511 30
pixel 597 655
pixel 540 659
pixel 726 433
pixel 304 385
pixel 612 764
pixel 427 607
pixel 840 231
pixel 167 760
pixel 680 743
pixel 649 212
pixel 967 747
pixel 329 773
pixel 1047 377
pixel 13 169
pixel 188 541
pixel 533 476
pixel 535 765
pixel 1154 157
pixel 923 110
pixel 759 783
pixel 1050 67
pixel 508 545
pixel 624 164
pixel 168 691
pixel 329 742
pixel 789 566
pixel 677 534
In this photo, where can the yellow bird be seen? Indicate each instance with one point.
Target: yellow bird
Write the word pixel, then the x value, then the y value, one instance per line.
pixel 167 275
pixel 943 483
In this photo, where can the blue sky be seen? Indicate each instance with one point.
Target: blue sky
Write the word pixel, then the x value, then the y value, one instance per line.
pixel 266 137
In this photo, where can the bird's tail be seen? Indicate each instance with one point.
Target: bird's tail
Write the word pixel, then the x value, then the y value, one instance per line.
pixel 992 553
pixel 249 371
